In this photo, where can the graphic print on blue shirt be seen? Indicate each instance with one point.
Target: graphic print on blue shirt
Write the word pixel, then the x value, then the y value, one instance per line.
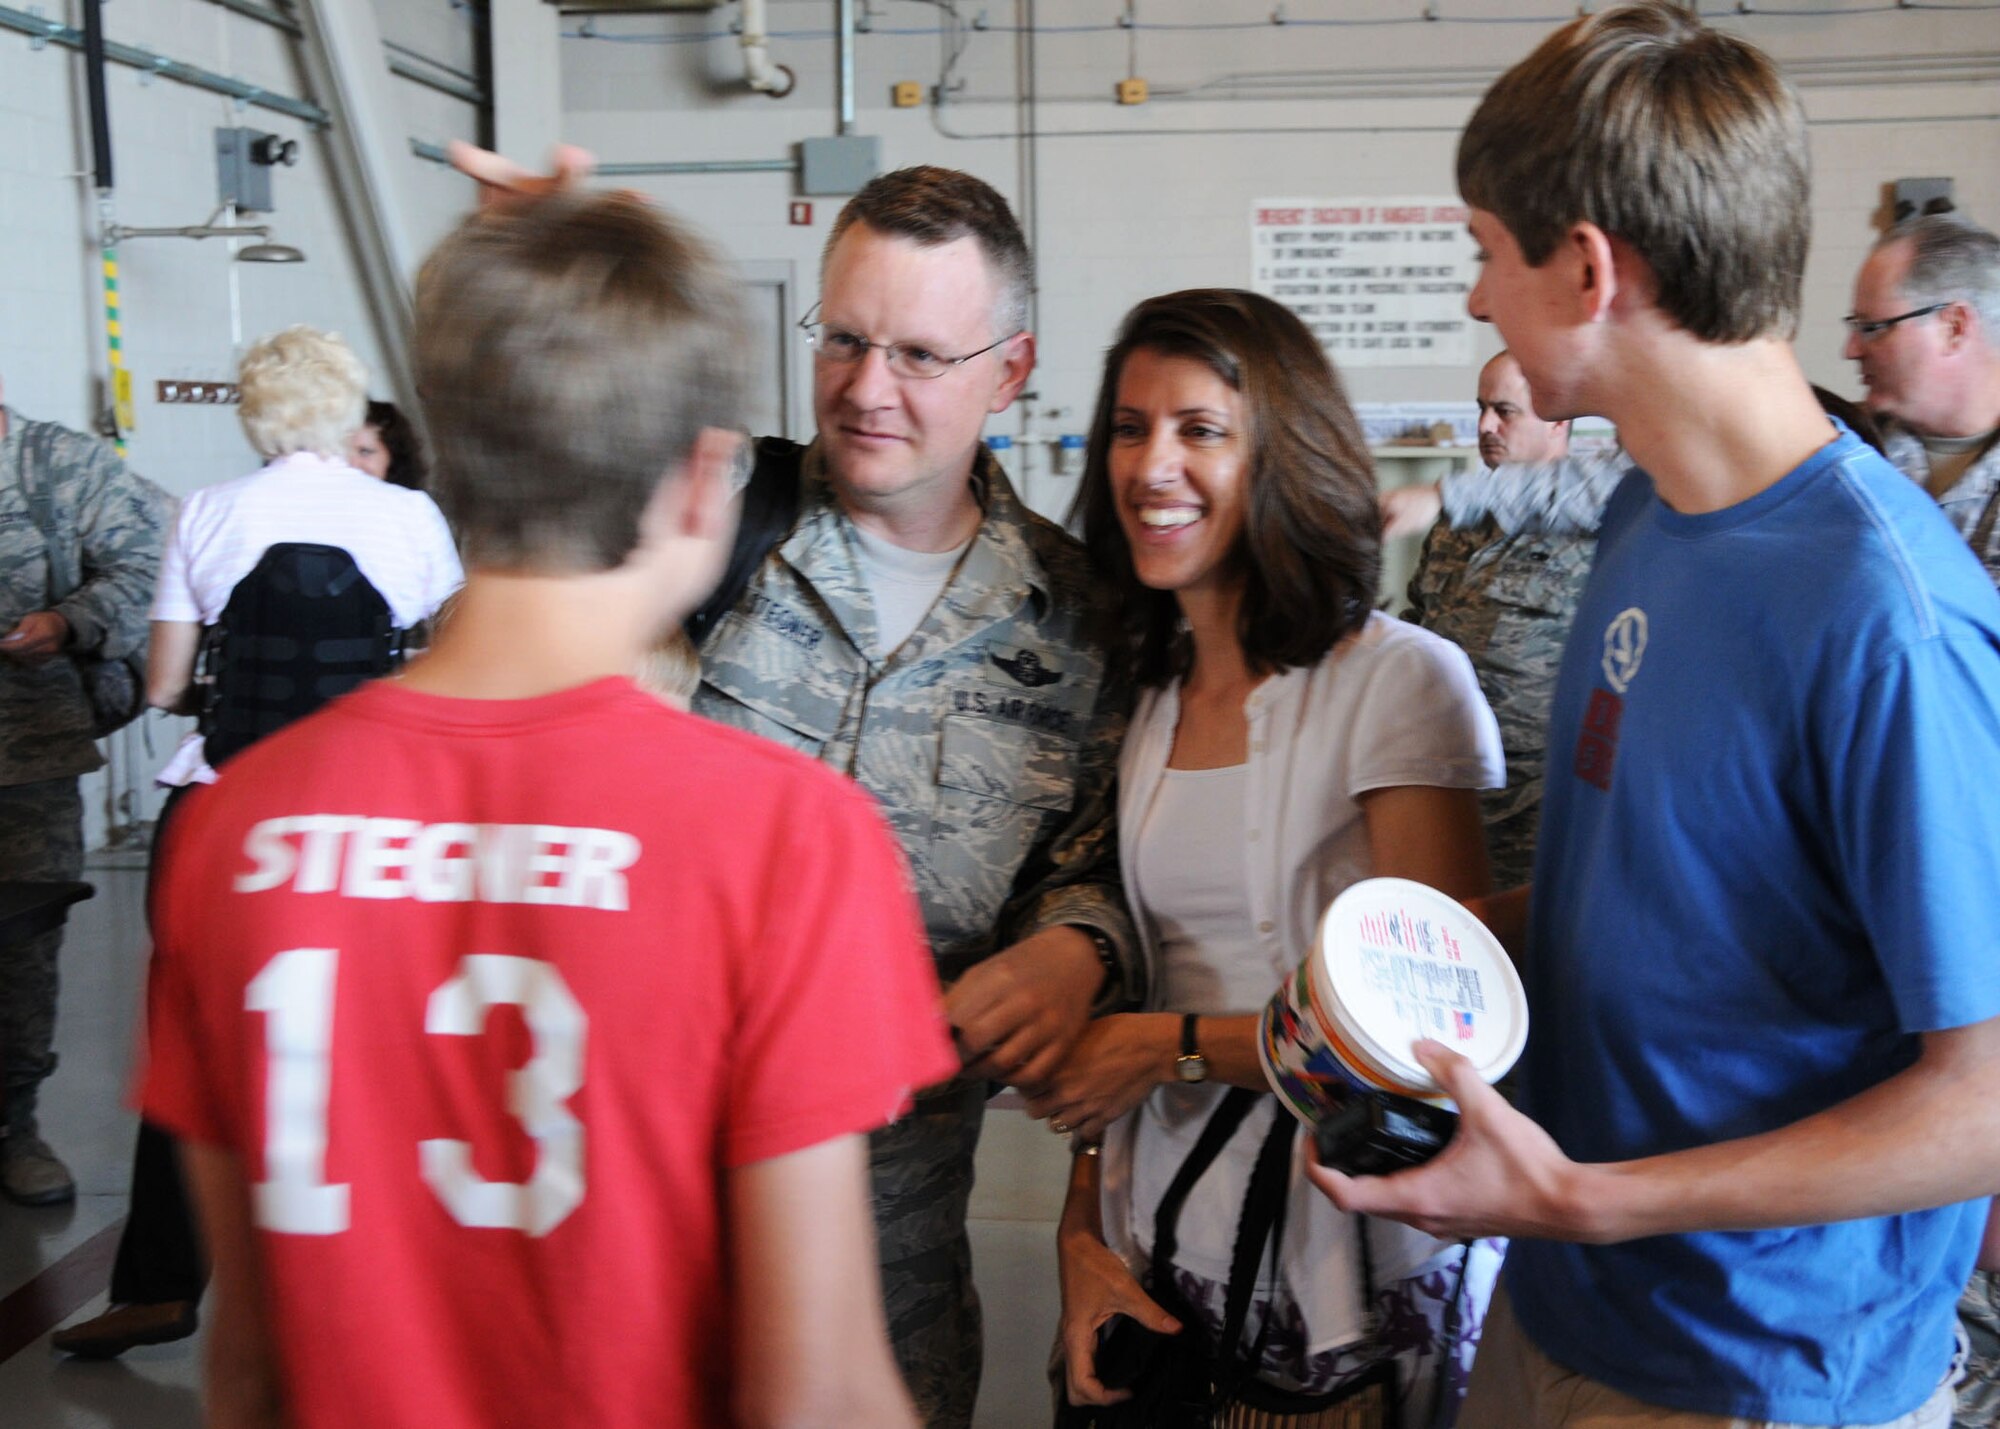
pixel 1597 743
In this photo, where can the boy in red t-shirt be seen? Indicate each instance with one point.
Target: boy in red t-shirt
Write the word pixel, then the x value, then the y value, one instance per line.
pixel 522 1033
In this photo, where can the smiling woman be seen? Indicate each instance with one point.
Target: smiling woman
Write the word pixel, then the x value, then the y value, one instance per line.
pixel 1232 380
pixel 1287 742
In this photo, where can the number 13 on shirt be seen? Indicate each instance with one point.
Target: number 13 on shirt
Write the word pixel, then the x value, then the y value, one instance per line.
pixel 296 992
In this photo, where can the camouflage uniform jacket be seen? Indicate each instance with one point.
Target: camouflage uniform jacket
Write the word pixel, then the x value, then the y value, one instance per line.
pixel 1498 582
pixel 1557 498
pixel 117 521
pixel 1972 504
pixel 989 737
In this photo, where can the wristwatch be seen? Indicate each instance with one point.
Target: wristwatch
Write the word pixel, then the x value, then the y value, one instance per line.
pixel 1190 1066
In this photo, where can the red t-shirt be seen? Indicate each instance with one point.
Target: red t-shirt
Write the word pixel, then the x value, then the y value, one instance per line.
pixel 486 995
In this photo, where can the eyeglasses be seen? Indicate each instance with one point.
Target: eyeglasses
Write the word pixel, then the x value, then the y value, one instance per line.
pixel 837 344
pixel 1868 329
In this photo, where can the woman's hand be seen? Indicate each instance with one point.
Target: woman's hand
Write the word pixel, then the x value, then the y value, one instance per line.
pixel 1113 1064
pixel 1096 1286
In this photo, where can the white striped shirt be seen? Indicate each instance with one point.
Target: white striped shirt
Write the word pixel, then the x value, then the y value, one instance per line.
pixel 397 537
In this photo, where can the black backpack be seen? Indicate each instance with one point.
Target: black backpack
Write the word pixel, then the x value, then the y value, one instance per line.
pixel 302 628
pixel 770 507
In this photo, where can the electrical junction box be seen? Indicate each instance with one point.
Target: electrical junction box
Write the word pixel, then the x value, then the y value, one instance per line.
pixel 1132 91
pixel 838 165
pixel 907 94
pixel 241 179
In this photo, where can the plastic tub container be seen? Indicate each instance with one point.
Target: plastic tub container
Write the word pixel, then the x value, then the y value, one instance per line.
pixel 1393 962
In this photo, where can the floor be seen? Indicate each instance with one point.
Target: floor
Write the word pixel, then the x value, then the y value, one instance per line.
pixel 54 1263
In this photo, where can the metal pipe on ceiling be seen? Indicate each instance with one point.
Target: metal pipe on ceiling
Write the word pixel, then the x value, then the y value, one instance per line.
pixel 758 72
pixel 439 65
pixel 845 31
pixel 699 166
pixel 434 74
pixel 469 93
pixel 436 154
pixel 250 10
pixel 55 32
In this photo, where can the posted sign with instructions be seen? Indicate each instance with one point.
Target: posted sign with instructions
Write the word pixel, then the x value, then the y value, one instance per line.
pixel 1381 282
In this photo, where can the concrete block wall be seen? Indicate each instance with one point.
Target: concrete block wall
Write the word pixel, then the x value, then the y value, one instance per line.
pixel 1131 200
pixel 1140 200
pixel 187 309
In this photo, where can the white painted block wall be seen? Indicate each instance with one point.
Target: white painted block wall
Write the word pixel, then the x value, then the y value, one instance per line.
pixel 1132 201
pixel 1141 200
pixel 187 310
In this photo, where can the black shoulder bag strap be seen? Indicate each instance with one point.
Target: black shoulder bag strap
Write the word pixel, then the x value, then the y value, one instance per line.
pixel 770 508
pixel 1263 1206
pixel 1221 1126
pixel 1262 1223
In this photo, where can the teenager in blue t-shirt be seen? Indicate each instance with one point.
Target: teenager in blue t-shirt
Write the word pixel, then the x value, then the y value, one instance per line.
pixel 1759 957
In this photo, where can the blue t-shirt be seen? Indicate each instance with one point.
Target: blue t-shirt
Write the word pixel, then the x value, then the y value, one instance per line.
pixel 1770 853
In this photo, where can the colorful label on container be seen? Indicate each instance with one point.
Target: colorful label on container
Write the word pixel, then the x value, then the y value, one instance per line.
pixel 1440 1000
pixel 1394 962
pixel 1400 962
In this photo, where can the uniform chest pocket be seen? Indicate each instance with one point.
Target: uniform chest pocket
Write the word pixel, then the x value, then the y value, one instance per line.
pixel 1035 769
pixel 1543 574
pixel 1002 790
pixel 777 678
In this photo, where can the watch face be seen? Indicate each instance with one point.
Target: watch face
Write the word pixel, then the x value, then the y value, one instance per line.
pixel 1191 1069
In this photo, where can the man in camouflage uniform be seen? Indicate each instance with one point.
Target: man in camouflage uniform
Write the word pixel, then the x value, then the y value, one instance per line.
pixel 922 631
pixel 1926 331
pixel 1497 582
pixel 113 523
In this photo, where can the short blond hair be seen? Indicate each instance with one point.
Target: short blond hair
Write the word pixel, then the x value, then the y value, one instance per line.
pixel 1683 141
pixel 671 670
pixel 302 390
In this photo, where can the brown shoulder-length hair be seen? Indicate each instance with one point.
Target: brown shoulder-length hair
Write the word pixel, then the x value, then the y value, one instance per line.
pixel 1311 549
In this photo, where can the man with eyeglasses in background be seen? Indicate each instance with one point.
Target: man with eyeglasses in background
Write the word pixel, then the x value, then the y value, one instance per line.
pixel 1926 331
pixel 918 628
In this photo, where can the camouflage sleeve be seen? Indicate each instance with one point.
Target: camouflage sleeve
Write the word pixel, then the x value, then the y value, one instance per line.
pixel 120 521
pixel 1559 498
pixel 1072 876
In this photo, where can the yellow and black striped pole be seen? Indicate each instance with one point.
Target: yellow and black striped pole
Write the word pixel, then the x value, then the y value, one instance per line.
pixel 122 413
pixel 100 156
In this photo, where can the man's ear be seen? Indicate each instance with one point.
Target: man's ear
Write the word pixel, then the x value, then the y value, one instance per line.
pixel 1959 323
pixel 1016 365
pixel 1594 262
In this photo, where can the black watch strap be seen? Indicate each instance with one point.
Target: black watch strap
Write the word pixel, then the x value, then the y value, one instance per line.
pixel 1190 1047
